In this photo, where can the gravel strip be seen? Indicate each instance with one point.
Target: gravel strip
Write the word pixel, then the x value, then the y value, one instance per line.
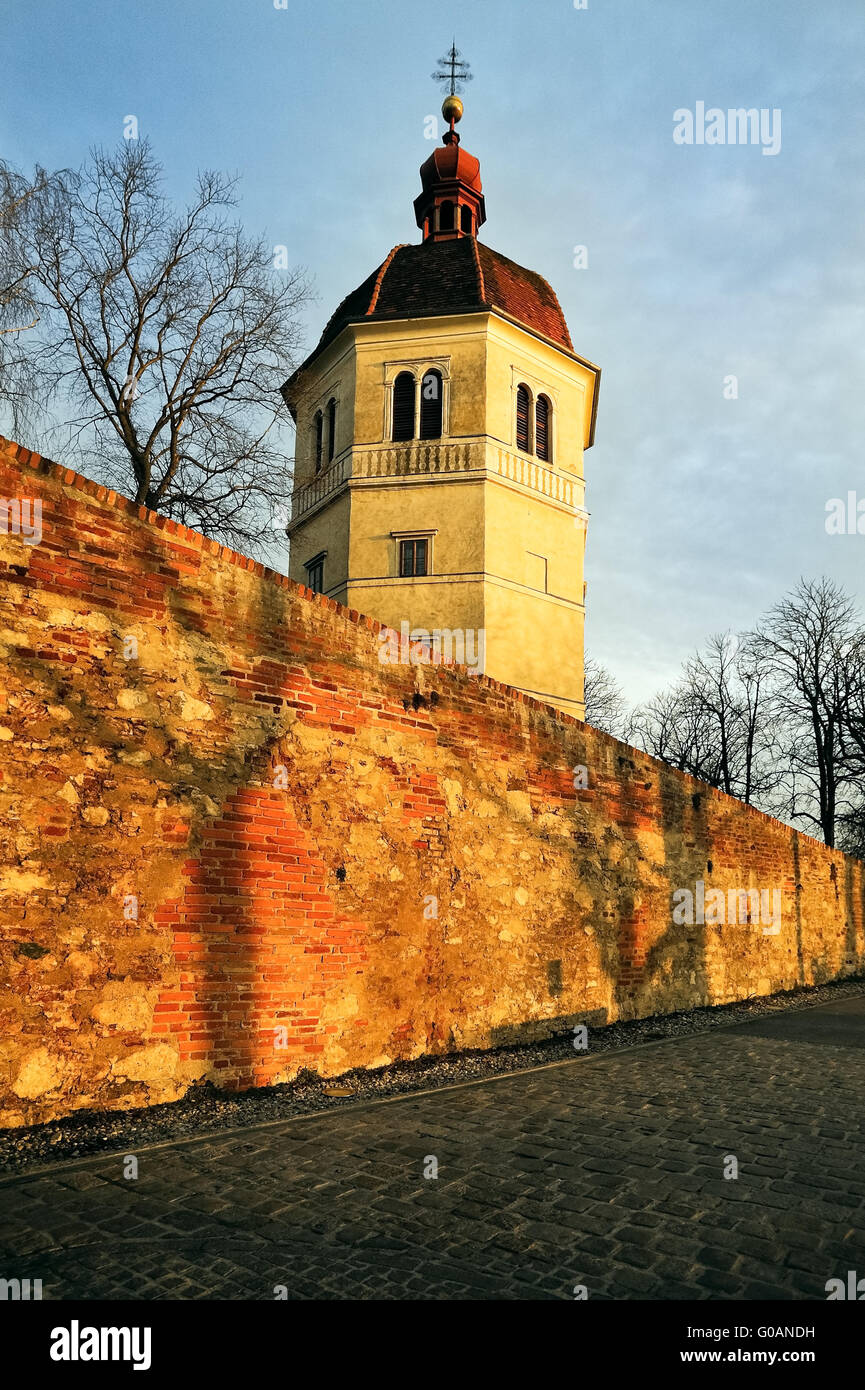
pixel 206 1109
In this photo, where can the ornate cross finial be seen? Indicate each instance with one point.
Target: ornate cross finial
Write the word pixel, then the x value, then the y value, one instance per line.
pixel 453 69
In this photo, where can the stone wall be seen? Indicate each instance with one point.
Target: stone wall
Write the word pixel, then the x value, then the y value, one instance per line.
pixel 233 844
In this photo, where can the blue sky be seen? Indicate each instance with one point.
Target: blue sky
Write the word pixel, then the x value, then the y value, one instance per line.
pixel 703 261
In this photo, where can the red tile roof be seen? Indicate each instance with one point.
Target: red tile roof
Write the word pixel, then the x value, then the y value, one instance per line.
pixel 450 277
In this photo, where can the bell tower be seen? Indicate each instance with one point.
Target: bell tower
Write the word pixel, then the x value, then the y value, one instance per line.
pixel 441 425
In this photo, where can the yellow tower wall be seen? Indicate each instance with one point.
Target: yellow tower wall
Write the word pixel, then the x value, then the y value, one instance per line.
pixel 507 531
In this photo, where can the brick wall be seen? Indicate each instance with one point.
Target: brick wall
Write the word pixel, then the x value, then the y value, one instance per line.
pixel 233 844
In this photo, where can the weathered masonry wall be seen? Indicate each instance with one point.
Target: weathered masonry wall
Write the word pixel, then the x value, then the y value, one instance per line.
pixel 234 845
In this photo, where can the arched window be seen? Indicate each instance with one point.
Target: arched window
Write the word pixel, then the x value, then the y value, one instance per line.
pixel 446 217
pixel 318 425
pixel 466 218
pixel 431 405
pixel 543 429
pixel 331 428
pixel 403 406
pixel 524 405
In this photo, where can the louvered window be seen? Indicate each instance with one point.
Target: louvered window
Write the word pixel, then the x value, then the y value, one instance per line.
pixel 542 428
pixel 403 406
pixel 523 406
pixel 315 574
pixel 431 406
pixel 317 434
pixel 331 428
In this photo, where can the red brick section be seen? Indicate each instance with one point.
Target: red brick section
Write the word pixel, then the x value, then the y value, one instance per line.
pixel 330 863
pixel 258 942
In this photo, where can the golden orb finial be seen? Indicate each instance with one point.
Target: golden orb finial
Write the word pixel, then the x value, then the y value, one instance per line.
pixel 452 108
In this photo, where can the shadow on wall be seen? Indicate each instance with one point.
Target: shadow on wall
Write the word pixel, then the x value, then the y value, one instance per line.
pixel 273 973
pixel 257 969
pixel 258 943
pixel 282 925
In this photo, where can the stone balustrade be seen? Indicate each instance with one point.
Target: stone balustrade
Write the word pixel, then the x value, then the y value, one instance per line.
pixel 435 458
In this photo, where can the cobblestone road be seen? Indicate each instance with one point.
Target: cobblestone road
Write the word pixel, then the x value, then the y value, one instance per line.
pixel 605 1172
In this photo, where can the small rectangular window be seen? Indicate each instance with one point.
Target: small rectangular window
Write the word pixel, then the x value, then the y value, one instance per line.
pixel 315 575
pixel 413 557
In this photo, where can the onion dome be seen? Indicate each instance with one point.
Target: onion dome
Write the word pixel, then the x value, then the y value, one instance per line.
pixel 452 202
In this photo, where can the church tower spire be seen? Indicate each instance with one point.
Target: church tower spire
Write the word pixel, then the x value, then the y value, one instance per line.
pixel 451 204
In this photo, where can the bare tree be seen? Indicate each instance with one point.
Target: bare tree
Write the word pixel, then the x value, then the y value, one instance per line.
pixel 606 706
pixel 851 830
pixel 776 717
pixel 730 689
pixel 19 315
pixel 851 821
pixel 853 702
pixel 714 722
pixel 809 645
pixel 672 726
pixel 168 334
